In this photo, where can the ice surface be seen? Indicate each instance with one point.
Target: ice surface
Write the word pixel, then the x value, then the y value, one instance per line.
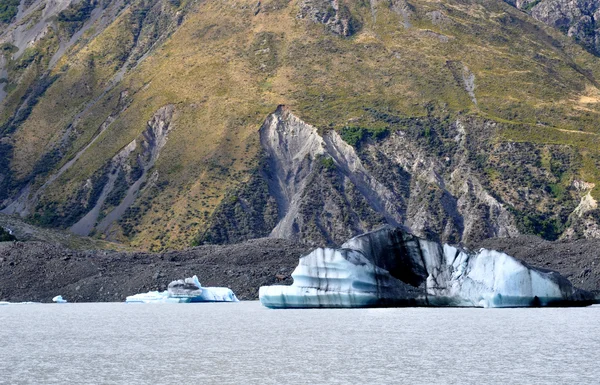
pixel 390 267
pixel 185 291
pixel 153 297
pixel 337 278
pixel 59 299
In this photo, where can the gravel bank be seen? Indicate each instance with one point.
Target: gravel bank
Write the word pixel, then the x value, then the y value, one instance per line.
pixel 36 271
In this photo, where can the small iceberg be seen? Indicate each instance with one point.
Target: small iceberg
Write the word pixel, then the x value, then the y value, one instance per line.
pixel 3 303
pixel 59 299
pixel 391 267
pixel 185 291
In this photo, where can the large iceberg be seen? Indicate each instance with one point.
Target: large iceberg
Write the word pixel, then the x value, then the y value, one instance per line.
pixel 185 291
pixel 391 267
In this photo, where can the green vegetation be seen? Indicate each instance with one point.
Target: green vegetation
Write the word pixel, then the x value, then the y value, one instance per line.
pixel 327 163
pixel 8 49
pixel 49 214
pixel 543 225
pixel 118 192
pixel 263 53
pixel 5 174
pixel 344 13
pixel 226 69
pixel 8 10
pixel 5 236
pixel 34 94
pixel 75 15
pixel 355 136
pixel 248 213
pixel 529 6
pixel 27 58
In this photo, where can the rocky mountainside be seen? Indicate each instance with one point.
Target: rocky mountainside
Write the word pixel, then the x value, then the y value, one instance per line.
pixel 166 123
pixel 22 231
pixel 579 19
pixel 425 176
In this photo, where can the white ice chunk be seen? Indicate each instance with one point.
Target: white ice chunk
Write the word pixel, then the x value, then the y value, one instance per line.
pixel 59 299
pixel 153 297
pixel 216 294
pixel 298 297
pixel 185 291
pixel 336 278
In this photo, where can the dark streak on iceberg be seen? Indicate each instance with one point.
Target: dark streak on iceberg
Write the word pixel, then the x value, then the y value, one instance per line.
pixel 391 267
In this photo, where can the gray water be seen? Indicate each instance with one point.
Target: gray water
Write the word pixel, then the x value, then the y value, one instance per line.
pixel 244 343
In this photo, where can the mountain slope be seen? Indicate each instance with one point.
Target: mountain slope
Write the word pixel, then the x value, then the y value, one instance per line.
pixel 466 119
pixel 578 19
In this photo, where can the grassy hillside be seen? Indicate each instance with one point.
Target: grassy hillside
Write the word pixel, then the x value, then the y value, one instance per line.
pixel 227 64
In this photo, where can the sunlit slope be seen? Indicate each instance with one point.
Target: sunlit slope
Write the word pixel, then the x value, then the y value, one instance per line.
pixel 225 67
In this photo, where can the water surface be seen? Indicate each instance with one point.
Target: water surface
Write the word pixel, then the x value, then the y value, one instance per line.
pixel 244 343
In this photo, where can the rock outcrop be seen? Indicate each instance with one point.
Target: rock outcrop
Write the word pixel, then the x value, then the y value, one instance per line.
pixel 579 19
pixel 391 267
pixel 126 174
pixel 6 235
pixel 334 14
pixel 316 187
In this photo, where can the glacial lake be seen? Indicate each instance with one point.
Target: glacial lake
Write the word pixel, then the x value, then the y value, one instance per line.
pixel 244 343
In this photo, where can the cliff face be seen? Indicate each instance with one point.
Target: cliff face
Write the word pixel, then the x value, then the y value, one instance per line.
pixel 335 14
pixel 143 121
pixel 579 19
pixel 321 189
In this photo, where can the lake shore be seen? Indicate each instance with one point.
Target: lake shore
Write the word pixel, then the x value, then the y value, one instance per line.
pixel 38 271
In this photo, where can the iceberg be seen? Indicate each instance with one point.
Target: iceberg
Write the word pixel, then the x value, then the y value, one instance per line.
pixel 392 267
pixel 153 297
pixel 59 299
pixel 3 303
pixel 185 291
